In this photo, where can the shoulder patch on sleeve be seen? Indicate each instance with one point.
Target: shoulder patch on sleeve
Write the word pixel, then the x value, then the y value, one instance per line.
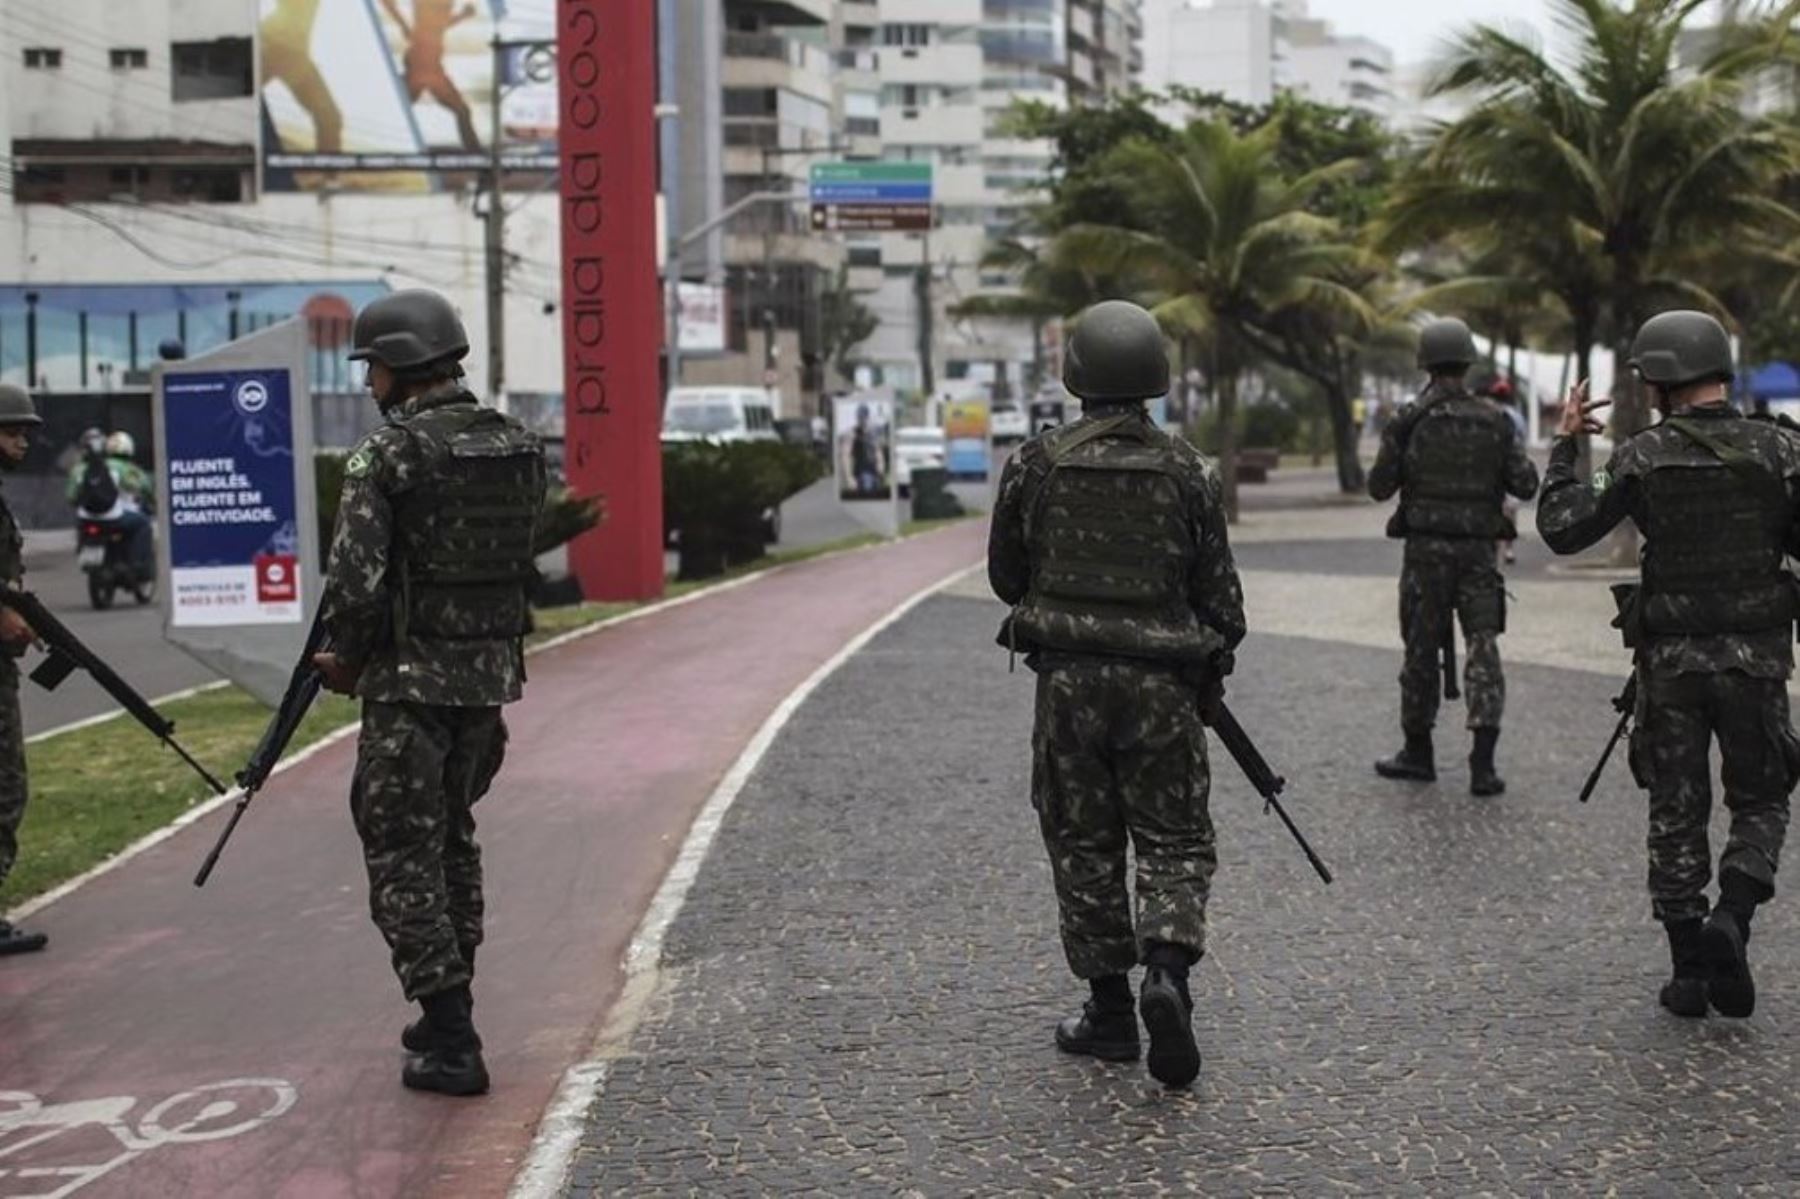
pixel 360 463
pixel 1602 480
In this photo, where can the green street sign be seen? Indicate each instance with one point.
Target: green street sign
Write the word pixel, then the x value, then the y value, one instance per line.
pixel 915 173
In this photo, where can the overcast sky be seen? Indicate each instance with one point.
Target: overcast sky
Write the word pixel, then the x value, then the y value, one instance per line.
pixel 1413 29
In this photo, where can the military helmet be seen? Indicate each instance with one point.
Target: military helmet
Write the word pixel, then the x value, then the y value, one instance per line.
pixel 1115 354
pixel 1674 349
pixel 16 407
pixel 1446 343
pixel 408 330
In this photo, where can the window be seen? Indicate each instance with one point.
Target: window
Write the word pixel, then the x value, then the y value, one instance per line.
pixel 129 58
pixel 43 58
pixel 906 35
pixel 215 70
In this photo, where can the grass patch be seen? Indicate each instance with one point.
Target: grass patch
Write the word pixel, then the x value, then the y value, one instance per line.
pixel 98 789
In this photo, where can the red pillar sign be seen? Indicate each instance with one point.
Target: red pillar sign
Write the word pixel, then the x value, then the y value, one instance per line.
pixel 612 310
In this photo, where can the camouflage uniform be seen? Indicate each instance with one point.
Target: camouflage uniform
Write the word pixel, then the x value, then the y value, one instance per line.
pixel 1697 682
pixel 427 596
pixel 1450 569
pixel 1119 751
pixel 13 790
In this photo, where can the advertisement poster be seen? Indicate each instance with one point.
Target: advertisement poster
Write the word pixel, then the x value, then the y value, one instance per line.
pixel 378 94
pixel 861 448
pixel 233 532
pixel 701 324
pixel 968 448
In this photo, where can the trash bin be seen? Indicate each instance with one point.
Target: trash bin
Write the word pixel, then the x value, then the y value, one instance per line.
pixel 931 496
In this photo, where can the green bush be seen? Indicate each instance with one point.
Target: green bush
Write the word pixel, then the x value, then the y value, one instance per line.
pixel 715 495
pixel 566 515
pixel 1269 425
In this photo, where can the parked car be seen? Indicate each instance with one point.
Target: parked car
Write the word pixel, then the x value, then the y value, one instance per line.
pixel 1008 422
pixel 718 414
pixel 917 447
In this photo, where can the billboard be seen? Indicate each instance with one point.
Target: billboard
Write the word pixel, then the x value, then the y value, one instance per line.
pixel 968 440
pixel 233 514
pixel 701 323
pixel 386 95
pixel 863 450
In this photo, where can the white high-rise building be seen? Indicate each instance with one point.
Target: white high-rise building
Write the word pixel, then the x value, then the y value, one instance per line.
pixel 1248 50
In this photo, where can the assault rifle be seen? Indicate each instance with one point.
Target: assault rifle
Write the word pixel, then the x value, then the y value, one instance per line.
pixel 66 653
pixel 302 689
pixel 1268 784
pixel 1625 704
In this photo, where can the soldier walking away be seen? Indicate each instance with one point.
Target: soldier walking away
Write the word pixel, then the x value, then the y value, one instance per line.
pixel 425 604
pixel 1453 458
pixel 1714 495
pixel 1108 540
pixel 18 417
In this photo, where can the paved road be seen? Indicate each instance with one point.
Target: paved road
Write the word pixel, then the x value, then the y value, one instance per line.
pixel 273 974
pixel 859 993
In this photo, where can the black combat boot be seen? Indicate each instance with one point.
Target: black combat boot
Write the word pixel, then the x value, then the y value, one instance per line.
pixel 453 1065
pixel 1107 1027
pixel 1167 1010
pixel 1483 779
pixel 1685 993
pixel 1414 761
pixel 17 940
pixel 416 1037
pixel 1731 990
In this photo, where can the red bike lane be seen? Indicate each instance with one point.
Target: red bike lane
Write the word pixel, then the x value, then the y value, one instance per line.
pixel 242 1040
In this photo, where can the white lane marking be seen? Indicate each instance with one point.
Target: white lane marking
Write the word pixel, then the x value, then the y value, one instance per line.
pixel 545 1172
pixel 206 1113
pixel 88 722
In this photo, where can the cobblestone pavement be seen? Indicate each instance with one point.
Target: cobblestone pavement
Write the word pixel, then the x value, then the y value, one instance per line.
pixel 858 996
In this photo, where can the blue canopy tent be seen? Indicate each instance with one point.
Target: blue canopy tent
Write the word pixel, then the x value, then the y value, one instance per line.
pixel 1774 381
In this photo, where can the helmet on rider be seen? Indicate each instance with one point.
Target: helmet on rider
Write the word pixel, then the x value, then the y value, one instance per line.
pixel 120 445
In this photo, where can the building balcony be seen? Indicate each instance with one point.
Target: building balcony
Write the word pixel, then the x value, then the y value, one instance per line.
pixel 783 12
pixel 762 60
pixel 930 12
pixel 944 66
pixel 753 249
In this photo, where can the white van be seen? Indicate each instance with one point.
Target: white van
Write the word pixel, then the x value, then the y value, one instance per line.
pixel 718 414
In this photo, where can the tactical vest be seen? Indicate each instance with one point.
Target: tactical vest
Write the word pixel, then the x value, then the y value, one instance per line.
pixel 464 534
pixel 1455 464
pixel 1714 536
pixel 1111 547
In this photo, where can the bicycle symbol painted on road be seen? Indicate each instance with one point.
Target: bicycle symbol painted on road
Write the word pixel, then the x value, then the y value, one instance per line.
pixel 40 1144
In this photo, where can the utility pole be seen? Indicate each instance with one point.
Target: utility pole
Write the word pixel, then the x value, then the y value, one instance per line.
pixel 496 234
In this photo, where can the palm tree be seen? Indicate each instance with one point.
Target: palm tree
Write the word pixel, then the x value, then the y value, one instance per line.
pixel 1221 245
pixel 1602 175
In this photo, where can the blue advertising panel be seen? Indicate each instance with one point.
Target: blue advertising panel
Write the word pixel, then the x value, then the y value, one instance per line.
pixel 233 522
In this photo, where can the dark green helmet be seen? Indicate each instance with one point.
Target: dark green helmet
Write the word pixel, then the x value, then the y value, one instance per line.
pixel 1674 349
pixel 1116 354
pixel 1446 344
pixel 408 330
pixel 16 407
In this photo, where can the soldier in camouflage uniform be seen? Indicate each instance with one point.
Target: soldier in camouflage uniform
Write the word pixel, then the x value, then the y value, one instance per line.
pixel 426 604
pixel 1109 542
pixel 1453 458
pixel 17 418
pixel 1712 626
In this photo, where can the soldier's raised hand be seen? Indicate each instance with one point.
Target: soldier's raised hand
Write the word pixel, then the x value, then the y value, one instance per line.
pixel 1577 412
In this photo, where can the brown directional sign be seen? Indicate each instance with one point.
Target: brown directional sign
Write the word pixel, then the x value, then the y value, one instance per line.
pixel 872 218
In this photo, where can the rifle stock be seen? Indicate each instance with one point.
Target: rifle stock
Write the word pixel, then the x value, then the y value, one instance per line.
pixel 1268 784
pixel 1625 704
pixel 65 652
pixel 302 689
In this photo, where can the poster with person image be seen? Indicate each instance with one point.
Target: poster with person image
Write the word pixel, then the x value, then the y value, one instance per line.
pixel 862 447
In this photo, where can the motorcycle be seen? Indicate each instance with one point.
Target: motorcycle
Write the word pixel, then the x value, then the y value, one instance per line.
pixel 103 551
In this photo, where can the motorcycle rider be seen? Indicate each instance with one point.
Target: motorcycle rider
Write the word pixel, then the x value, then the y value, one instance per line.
pixel 108 487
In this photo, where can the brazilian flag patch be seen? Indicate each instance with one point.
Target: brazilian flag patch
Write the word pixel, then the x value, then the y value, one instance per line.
pixel 360 464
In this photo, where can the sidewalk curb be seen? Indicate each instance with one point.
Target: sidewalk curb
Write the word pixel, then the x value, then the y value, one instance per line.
pixel 551 1154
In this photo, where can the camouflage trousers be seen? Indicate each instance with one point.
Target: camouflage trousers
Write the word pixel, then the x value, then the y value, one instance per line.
pixel 13 791
pixel 1118 758
pixel 1433 594
pixel 1678 717
pixel 419 770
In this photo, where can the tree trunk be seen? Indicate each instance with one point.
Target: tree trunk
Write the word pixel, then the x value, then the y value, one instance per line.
pixel 1584 354
pixel 1343 438
pixel 1225 383
pixel 1630 414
